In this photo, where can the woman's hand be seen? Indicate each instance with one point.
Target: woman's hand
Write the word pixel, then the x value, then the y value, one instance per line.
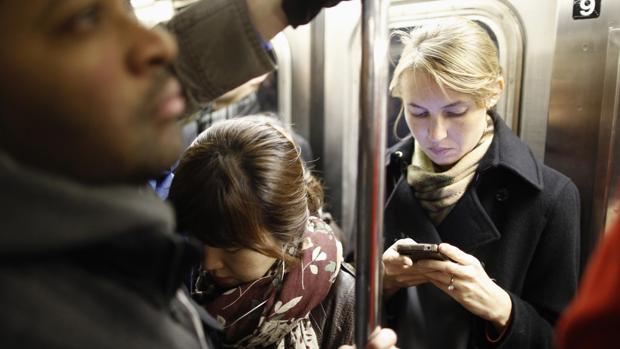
pixel 380 339
pixel 399 271
pixel 464 279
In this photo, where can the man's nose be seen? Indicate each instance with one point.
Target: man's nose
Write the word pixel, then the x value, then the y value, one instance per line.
pixel 152 49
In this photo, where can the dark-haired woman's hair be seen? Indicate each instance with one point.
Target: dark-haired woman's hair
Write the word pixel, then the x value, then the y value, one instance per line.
pixel 242 184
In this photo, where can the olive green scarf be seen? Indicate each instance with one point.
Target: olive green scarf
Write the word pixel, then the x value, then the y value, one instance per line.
pixel 438 192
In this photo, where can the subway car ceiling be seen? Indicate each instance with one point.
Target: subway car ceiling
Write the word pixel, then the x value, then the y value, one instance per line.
pixel 560 61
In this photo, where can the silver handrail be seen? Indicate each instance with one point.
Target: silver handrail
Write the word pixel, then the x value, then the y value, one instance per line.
pixel 371 167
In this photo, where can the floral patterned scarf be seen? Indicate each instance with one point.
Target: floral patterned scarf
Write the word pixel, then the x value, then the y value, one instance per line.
pixel 273 311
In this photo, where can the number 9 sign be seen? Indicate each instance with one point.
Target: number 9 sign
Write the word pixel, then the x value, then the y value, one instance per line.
pixel 586 9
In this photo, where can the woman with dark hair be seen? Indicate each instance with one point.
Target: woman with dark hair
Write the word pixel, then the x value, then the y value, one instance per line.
pixel 272 273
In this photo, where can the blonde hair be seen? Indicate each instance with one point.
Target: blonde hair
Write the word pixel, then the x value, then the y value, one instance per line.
pixel 457 53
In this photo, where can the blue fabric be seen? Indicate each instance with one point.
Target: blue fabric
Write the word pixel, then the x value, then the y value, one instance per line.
pixel 162 184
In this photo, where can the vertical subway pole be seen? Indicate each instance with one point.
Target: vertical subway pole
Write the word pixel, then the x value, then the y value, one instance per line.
pixel 371 167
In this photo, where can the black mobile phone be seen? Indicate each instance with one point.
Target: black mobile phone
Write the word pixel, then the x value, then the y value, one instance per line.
pixel 421 251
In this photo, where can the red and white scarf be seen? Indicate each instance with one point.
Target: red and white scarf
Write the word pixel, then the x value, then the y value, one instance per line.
pixel 274 310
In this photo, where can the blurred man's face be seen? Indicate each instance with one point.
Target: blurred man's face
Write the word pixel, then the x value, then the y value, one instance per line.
pixel 85 90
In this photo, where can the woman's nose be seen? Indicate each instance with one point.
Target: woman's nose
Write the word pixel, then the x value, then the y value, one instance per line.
pixel 152 50
pixel 437 130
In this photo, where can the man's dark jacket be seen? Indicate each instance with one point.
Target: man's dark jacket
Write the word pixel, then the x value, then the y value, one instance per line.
pixel 91 267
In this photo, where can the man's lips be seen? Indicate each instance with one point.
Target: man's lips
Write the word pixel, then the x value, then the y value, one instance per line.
pixel 170 104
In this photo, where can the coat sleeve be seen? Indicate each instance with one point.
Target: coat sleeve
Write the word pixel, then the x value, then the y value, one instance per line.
pixel 334 318
pixel 552 278
pixel 219 49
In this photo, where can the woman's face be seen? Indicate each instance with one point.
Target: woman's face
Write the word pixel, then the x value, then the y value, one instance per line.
pixel 446 125
pixel 232 267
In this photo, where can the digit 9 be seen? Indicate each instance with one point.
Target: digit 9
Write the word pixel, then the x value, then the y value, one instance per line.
pixel 587 7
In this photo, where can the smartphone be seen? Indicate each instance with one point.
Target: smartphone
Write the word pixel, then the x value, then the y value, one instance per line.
pixel 421 251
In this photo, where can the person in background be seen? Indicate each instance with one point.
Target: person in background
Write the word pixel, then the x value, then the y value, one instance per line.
pixel 506 224
pixel 272 272
pixel 240 101
pixel 90 101
pixel 243 101
pixel 592 319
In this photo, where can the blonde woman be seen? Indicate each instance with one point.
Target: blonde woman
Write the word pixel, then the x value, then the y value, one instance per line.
pixel 508 224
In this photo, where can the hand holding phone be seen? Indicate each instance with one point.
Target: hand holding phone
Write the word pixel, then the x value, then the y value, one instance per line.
pixel 398 271
pixel 421 251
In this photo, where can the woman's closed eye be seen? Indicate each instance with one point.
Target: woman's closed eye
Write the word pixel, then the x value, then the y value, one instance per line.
pixel 232 250
pixel 456 112
pixel 417 112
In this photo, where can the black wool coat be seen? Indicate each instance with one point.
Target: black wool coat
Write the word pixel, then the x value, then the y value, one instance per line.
pixel 520 218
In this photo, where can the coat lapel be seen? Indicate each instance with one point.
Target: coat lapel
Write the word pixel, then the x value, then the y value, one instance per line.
pixel 468 225
pixel 404 217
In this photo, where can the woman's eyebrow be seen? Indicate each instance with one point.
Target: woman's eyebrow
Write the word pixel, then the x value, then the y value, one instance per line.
pixel 415 105
pixel 454 104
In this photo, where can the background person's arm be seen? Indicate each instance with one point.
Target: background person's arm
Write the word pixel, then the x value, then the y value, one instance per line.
pixel 268 17
pixel 220 48
pixel 222 43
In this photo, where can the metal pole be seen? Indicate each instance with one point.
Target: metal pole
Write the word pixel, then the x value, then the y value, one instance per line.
pixel 371 167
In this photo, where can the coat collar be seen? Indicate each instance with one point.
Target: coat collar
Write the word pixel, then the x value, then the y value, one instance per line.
pixel 509 152
pixel 468 224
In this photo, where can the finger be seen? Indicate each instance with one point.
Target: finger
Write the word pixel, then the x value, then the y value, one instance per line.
pixel 455 291
pixel 390 253
pixel 397 260
pixel 444 289
pixel 383 339
pixel 447 268
pixel 456 254
pixel 435 265
pixel 407 273
pixel 410 280
pixel 413 283
pixel 407 241
pixel 440 277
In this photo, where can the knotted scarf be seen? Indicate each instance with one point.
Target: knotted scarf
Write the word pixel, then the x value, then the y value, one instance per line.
pixel 274 310
pixel 438 192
